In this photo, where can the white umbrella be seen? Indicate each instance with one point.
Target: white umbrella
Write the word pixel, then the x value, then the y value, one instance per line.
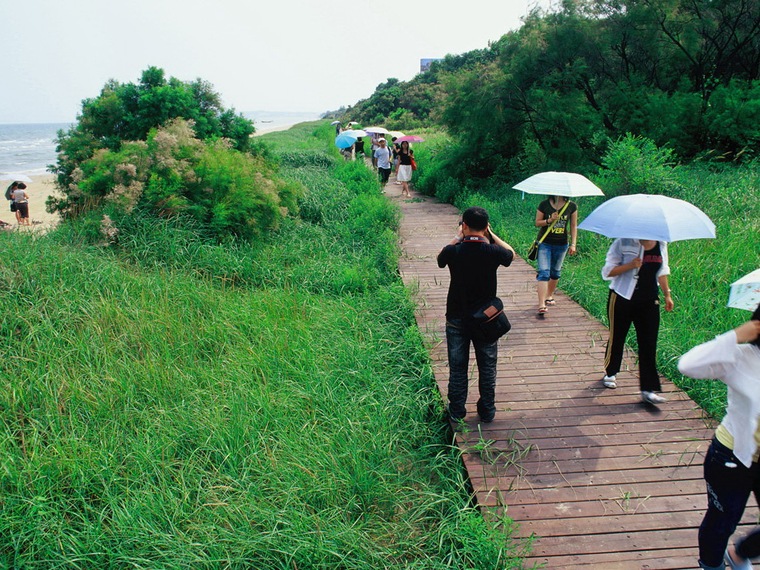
pixel 377 130
pixel 335 123
pixel 649 216
pixel 568 184
pixel 357 132
pixel 397 134
pixel 15 177
pixel 745 292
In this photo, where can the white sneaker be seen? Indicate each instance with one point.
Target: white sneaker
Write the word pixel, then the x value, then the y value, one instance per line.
pixel 652 398
pixel 609 381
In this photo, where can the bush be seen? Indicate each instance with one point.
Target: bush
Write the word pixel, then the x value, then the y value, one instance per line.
pixel 634 165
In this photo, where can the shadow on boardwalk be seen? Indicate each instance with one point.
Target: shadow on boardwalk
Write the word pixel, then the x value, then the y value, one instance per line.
pixel 599 478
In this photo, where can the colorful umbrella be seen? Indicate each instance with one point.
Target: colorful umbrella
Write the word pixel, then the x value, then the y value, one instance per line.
pixel 410 138
pixel 345 139
pixel 568 184
pixel 745 292
pixel 649 216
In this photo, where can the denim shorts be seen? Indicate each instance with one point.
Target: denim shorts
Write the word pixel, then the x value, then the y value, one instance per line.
pixel 550 258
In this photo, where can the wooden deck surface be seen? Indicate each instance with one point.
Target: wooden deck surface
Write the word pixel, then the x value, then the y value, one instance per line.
pixel 594 475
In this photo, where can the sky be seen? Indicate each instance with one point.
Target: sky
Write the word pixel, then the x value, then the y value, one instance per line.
pixel 272 55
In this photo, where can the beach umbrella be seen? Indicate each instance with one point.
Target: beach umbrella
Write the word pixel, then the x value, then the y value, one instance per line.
pixel 377 130
pixel 649 216
pixel 745 292
pixel 568 184
pixel 345 139
pixel 410 138
pixel 15 177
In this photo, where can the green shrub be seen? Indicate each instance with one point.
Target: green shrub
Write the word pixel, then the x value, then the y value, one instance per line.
pixel 635 165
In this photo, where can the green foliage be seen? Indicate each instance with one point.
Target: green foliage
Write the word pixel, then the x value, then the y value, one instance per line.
pixel 174 173
pixel 172 402
pixel 124 115
pixel 634 165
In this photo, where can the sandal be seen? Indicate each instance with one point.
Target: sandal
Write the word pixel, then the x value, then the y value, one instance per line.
pixel 550 301
pixel 542 310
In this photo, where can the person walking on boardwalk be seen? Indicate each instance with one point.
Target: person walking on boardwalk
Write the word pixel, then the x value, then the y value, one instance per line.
pixel 731 468
pixel 472 257
pixel 637 270
pixel 383 157
pixel 558 216
pixel 404 168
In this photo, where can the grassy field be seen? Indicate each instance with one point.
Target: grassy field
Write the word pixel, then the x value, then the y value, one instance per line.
pixel 175 403
pixel 701 270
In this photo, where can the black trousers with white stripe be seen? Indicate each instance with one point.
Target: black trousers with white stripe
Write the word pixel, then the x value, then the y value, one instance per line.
pixel 645 317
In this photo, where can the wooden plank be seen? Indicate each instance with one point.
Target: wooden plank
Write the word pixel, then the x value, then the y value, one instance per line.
pixel 593 476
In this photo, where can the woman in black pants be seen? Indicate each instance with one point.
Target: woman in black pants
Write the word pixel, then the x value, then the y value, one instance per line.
pixel 637 270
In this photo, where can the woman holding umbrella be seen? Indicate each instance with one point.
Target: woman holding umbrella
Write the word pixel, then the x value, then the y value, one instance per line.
pixel 557 216
pixel 636 270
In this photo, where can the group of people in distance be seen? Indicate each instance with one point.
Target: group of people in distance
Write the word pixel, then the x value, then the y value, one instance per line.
pixel 400 157
pixel 637 271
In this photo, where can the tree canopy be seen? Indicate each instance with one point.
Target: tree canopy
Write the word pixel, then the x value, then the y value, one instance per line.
pixel 683 73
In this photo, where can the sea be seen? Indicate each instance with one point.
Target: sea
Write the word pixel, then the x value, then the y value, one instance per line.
pixel 30 148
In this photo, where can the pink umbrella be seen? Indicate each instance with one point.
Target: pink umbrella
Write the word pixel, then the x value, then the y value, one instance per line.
pixel 410 138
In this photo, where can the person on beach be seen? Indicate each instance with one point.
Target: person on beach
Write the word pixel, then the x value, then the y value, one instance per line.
pixel 473 257
pixel 557 215
pixel 404 168
pixel 731 468
pixel 636 270
pixel 21 203
pixel 383 157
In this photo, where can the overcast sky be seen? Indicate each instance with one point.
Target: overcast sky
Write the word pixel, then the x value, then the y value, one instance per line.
pixel 273 55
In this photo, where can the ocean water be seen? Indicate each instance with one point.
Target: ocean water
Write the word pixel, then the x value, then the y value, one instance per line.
pixel 29 149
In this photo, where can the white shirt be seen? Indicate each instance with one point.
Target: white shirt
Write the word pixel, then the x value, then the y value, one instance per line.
pixel 738 366
pixel 624 251
pixel 383 156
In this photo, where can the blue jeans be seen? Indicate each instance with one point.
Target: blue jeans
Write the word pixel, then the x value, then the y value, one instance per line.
pixel 550 258
pixel 458 343
pixel 729 484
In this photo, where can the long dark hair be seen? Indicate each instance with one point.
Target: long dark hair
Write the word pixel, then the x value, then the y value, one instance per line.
pixel 408 150
pixel 756 317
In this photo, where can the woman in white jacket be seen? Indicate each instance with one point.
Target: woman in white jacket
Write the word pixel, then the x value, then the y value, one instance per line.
pixel 637 270
pixel 731 468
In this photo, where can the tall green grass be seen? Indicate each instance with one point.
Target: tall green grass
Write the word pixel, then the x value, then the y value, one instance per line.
pixel 171 402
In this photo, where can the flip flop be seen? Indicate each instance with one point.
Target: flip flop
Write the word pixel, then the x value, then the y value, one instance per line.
pixel 542 310
pixel 550 301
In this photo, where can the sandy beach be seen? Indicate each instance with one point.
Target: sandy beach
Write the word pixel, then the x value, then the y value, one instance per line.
pixel 39 189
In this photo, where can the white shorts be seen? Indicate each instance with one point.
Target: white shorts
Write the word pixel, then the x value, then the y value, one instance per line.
pixel 404 173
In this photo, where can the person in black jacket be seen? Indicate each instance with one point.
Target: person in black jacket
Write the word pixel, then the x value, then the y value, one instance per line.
pixel 472 257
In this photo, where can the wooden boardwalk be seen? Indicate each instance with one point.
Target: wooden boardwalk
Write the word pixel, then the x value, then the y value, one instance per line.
pixel 594 475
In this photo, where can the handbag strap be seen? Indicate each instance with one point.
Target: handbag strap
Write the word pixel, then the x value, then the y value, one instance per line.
pixel 549 228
